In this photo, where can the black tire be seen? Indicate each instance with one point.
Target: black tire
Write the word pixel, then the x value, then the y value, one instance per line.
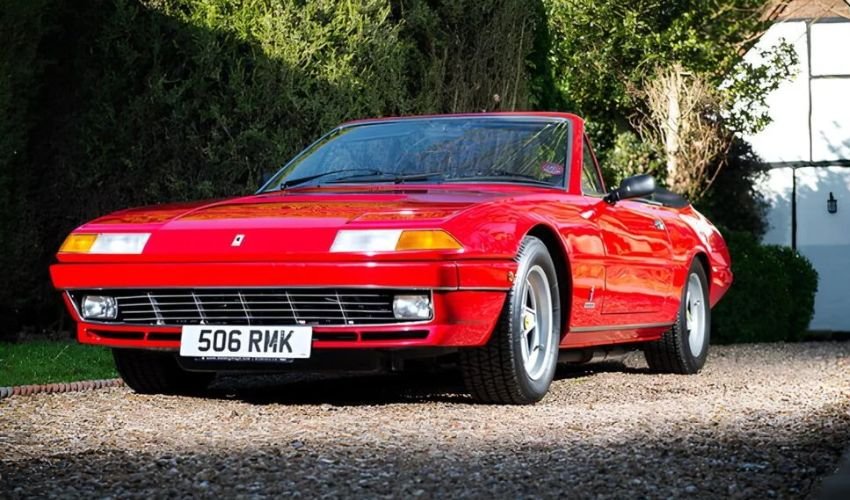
pixel 672 352
pixel 496 372
pixel 155 372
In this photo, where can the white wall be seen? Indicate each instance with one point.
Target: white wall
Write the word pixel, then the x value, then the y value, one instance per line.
pixel 830 119
pixel 830 42
pixel 830 91
pixel 809 142
pixel 777 186
pixel 825 239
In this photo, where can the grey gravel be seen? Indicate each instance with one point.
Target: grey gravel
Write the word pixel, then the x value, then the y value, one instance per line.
pixel 764 421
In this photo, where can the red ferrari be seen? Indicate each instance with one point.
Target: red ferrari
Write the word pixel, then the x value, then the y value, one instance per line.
pixel 486 239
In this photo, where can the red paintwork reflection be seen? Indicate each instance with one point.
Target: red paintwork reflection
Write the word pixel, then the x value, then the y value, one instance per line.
pixel 638 275
pixel 323 210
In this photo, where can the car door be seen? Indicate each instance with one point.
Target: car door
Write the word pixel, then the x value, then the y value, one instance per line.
pixel 638 273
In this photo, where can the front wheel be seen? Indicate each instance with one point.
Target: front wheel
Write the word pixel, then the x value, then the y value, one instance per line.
pixel 518 363
pixel 155 372
pixel 684 348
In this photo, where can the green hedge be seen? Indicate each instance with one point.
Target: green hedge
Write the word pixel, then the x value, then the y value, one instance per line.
pixel 22 26
pixel 772 297
pixel 804 286
pixel 106 104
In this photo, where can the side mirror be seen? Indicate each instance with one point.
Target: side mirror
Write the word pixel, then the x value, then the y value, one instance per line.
pixel 636 186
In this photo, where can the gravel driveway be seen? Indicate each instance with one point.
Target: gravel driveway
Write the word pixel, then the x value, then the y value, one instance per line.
pixel 760 421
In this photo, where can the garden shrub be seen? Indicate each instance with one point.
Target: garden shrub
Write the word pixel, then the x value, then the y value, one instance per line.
pixel 472 55
pixel 772 297
pixel 804 286
pixel 22 26
pixel 735 199
pixel 146 102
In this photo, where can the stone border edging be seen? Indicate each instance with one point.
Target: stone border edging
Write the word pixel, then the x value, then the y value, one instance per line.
pixel 85 385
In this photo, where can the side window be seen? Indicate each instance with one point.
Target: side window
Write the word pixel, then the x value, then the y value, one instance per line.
pixel 591 183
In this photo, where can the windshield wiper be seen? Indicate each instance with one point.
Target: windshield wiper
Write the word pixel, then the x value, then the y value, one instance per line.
pixel 396 178
pixel 301 180
pixel 504 176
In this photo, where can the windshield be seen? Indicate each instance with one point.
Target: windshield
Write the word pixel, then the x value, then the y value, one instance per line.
pixel 483 149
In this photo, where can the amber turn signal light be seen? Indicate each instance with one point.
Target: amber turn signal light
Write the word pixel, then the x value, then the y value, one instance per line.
pixel 78 243
pixel 426 240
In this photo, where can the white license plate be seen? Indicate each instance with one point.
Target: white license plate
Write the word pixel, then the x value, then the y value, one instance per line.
pixel 260 342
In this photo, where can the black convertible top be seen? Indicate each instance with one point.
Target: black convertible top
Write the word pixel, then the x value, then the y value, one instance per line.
pixel 669 198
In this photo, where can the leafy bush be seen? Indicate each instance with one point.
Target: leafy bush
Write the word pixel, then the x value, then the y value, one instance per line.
pixel 629 156
pixel 804 286
pixel 22 25
pixel 734 200
pixel 141 103
pixel 471 55
pixel 602 50
pixel 772 298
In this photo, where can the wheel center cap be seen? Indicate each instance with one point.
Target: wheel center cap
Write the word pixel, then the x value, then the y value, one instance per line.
pixel 527 321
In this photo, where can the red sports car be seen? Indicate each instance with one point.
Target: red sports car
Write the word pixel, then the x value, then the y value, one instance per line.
pixel 489 239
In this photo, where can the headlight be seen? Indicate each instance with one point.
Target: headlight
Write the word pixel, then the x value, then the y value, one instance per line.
pixel 99 307
pixel 388 240
pixel 378 240
pixel 105 243
pixel 412 307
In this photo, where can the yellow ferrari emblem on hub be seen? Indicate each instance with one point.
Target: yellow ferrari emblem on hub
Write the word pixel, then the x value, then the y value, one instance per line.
pixel 527 322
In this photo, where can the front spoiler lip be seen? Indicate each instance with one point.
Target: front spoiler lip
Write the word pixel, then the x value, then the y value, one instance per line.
pixel 432 275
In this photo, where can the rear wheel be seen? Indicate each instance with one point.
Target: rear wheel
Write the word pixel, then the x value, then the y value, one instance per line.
pixel 518 363
pixel 155 372
pixel 684 348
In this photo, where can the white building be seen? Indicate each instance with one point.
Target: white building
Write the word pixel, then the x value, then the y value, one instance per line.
pixel 807 146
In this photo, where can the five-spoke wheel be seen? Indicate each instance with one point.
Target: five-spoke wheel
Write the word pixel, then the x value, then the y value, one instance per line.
pixel 538 335
pixel 518 363
pixel 684 348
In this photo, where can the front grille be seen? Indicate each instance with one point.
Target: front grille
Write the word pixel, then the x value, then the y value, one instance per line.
pixel 251 306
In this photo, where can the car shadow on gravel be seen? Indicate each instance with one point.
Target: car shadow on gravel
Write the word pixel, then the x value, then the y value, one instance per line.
pixel 442 386
pixel 343 389
pixel 568 371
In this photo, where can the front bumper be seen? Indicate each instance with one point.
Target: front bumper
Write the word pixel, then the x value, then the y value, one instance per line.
pixel 467 295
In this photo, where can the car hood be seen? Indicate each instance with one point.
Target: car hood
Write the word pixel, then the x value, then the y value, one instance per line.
pixel 294 223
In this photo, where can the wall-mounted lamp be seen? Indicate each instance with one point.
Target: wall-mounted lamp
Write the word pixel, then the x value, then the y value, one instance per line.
pixel 831 204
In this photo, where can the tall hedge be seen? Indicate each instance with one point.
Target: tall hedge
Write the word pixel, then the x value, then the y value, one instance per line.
pixel 106 104
pixel 473 55
pixel 22 26
pixel 772 297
